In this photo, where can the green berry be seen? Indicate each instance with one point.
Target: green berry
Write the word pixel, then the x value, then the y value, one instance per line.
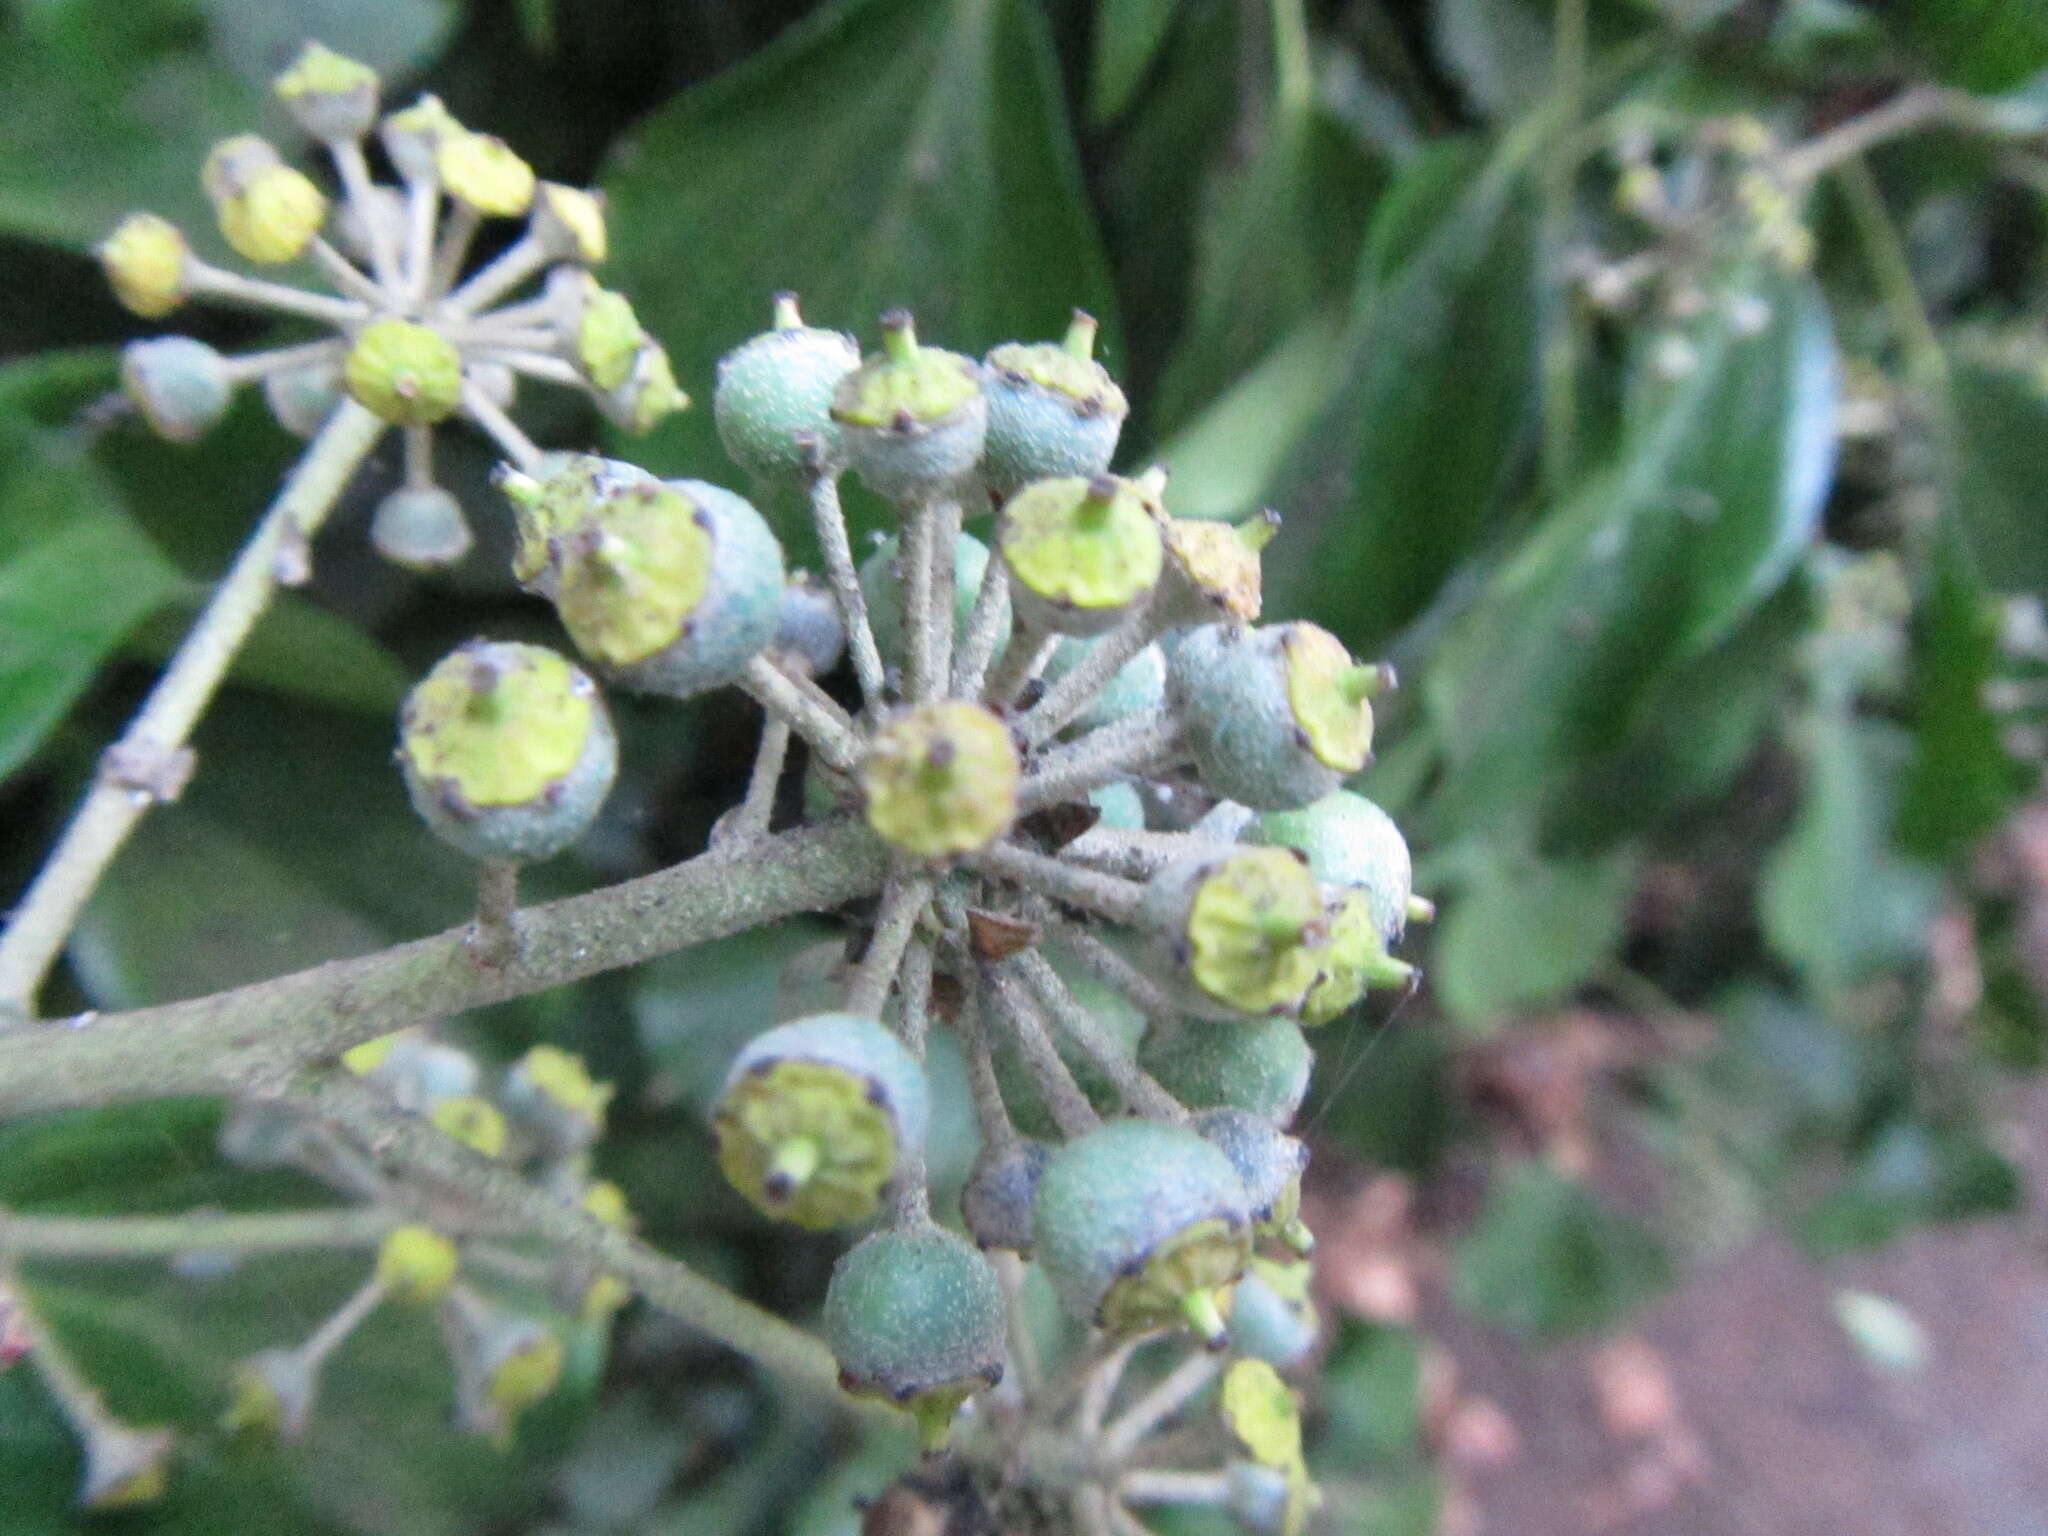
pixel 145 260
pixel 483 173
pixel 647 395
pixel 1120 1020
pixel 1122 808
pixel 1082 554
pixel 1354 958
pixel 916 1316
pixel 941 780
pixel 1349 841
pixel 420 527
pixel 1261 1067
pixel 267 211
pixel 1273 1319
pixel 1138 688
pixel 551 1095
pixel 506 1363
pixel 411 137
pixel 815 1116
pixel 181 386
pixel 1270 1163
pixel 1052 411
pixel 404 372
pixel 272 1393
pixel 773 399
pixel 881 583
pixel 1274 717
pixel 331 97
pixel 810 633
pixel 125 1466
pixel 564 491
pixel 1141 1225
pixel 302 398
pixel 996 1201
pixel 1243 932
pixel 912 418
pixel 416 1072
pixel 1213 568
pixel 507 751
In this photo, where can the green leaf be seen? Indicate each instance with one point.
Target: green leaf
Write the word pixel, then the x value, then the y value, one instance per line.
pixel 1408 463
pixel 1837 900
pixel 76 576
pixel 1981 45
pixel 260 37
pixel 1372 1395
pixel 1127 38
pixel 2001 420
pixel 883 152
pixel 1499 51
pixel 1547 1258
pixel 1524 933
pixel 299 648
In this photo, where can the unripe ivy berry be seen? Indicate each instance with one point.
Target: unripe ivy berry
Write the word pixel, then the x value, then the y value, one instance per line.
pixel 267 211
pixel 484 173
pixel 1274 717
pixel 552 1097
pixel 181 386
pixel 507 751
pixel 1262 1499
pixel 1244 932
pixel 881 583
pixel 416 1072
pixel 1350 841
pixel 1354 959
pixel 412 137
pixel 1270 1163
pixel 407 374
pixel 477 1123
pixel 1122 808
pixel 1052 410
pixel 673 586
pixel 144 259
pixel 1138 688
pixel 915 1316
pixel 1274 1319
pixel 1261 1067
pixel 773 399
pixel 1141 1225
pixel 568 223
pixel 125 1466
pixel 1120 1021
pixel 912 418
pixel 272 1393
pixel 1082 554
pixel 1213 570
pixel 815 1116
pixel 565 490
pixel 810 632
pixel 302 398
pixel 332 98
pixel 420 527
pixel 648 395
pixel 416 1265
pixel 996 1201
pixel 506 1363
pixel 941 779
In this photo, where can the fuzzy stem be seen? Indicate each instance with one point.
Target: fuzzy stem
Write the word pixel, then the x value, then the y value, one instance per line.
pixel 532 364
pixel 1142 1095
pixel 496 936
pixel 208 281
pixel 991 1115
pixel 1912 109
pixel 1063 1097
pixel 504 272
pixel 348 279
pixel 422 213
pixel 945 544
pixel 1069 772
pixel 77 1398
pixel 914 995
pixel 1104 895
pixel 342 1322
pixel 1024 1359
pixel 255 1038
pixel 255 365
pixel 1099 1387
pixel 47 912
pixel 751 820
pixel 522 450
pixel 408 1145
pixel 1114 971
pixel 824 726
pixel 1161 1485
pixel 1156 1406
pixel 1072 693
pixel 457 231
pixel 830 522
pixel 1023 657
pixel 157 1237
pixel 916 549
pixel 903 902
pixel 1135 854
pixel 360 190
pixel 986 627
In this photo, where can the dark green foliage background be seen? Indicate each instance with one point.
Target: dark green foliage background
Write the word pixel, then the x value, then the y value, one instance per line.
pixel 1332 293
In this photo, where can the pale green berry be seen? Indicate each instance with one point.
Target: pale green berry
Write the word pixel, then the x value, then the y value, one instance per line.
pixel 125 1466
pixel 1138 688
pixel 550 1094
pixel 181 386
pixel 810 632
pixel 1243 933
pixel 568 223
pixel 1052 410
pixel 420 527
pixel 1273 717
pixel 1261 1067
pixel 506 1363
pixel 416 1264
pixel 915 1316
pixel 1274 1319
pixel 272 1393
pixel 912 418
pixel 1141 1225
pixel 1213 569
pixel 1082 554
pixel 773 399
pixel 404 372
pixel 815 1117
pixel 996 1202
pixel 302 398
pixel 648 395
pixel 1354 958
pixel 1270 1163
pixel 1122 808
pixel 881 584
pixel 507 751
pixel 1350 841
pixel 145 261
pixel 267 211
pixel 484 173
pixel 941 780
pixel 333 98
pixel 411 137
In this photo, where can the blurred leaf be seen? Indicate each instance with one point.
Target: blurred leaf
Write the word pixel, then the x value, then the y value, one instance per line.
pixel 1408 463
pixel 1522 933
pixel 109 108
pixel 1981 45
pixel 1127 38
pixel 76 575
pixel 300 648
pixel 2001 420
pixel 260 37
pixel 1913 1171
pixel 1716 490
pixel 1372 1397
pixel 1278 236
pixel 883 152
pixel 1962 781
pixel 1498 50
pixel 1547 1258
pixel 1837 900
